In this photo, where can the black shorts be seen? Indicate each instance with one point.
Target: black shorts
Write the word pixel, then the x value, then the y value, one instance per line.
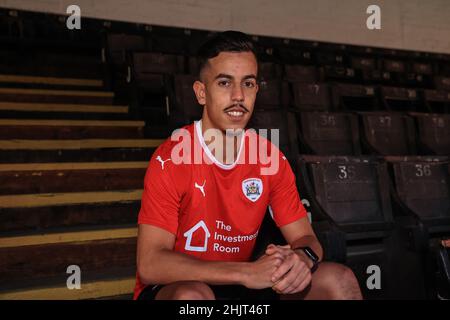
pixel 222 292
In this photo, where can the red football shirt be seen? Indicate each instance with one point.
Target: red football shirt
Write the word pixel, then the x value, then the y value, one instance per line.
pixel 216 210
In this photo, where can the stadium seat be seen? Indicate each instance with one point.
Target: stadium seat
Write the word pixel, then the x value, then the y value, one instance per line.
pixel 281 120
pixel 400 99
pixel 363 63
pixel 300 73
pixel 326 133
pixel 421 193
pixel 329 59
pixel 151 78
pixel 353 97
pixel 353 192
pixel 120 45
pixel 168 41
pixel 269 71
pixel 433 133
pixel 442 83
pixel 310 96
pixel 420 75
pixel 388 133
pixel 184 107
pixel 422 185
pixel 437 101
pixel 338 73
pixel 147 64
pixel 272 94
pixel 295 56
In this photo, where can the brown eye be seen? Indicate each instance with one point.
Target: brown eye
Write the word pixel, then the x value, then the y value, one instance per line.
pixel 224 83
pixel 249 84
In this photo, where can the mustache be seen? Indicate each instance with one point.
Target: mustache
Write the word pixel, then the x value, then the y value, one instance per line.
pixel 236 105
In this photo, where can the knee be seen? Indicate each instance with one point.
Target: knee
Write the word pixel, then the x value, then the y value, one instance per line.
pixel 339 281
pixel 193 290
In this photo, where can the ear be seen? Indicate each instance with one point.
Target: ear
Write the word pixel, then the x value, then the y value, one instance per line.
pixel 199 89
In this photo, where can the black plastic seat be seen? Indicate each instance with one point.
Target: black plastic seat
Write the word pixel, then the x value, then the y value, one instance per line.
pixel 300 73
pixel 184 107
pixel 280 120
pixel 120 45
pixel 326 133
pixel 272 94
pixel 353 97
pixel 422 184
pixel 363 63
pixel 400 99
pixel 433 133
pixel 151 78
pixel 353 192
pixel 442 83
pixel 420 190
pixel 437 101
pixel 310 96
pixel 330 59
pixel 150 68
pixel 269 71
pixel 389 133
pixel 339 73
pixel 295 56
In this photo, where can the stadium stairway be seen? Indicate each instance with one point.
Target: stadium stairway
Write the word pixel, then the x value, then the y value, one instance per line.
pixel 71 169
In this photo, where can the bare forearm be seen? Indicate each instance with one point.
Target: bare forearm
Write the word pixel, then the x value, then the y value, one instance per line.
pixel 168 266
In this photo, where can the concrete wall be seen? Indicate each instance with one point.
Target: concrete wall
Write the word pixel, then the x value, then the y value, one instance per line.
pixel 406 24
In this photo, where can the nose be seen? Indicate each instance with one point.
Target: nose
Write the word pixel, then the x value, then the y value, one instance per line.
pixel 237 94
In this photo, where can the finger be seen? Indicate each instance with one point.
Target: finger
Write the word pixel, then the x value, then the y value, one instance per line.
pixel 287 264
pixel 290 277
pixel 297 282
pixel 292 286
pixel 270 250
pixel 284 251
pixel 285 282
pixel 306 281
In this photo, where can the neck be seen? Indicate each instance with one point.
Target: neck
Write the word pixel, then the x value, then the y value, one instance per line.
pixel 224 147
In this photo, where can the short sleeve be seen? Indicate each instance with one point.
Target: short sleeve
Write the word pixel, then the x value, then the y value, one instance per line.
pixel 160 200
pixel 284 198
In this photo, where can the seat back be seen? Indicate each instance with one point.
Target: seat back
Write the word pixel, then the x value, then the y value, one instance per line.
pixel 300 73
pixel 354 97
pixel 311 96
pixel 330 133
pixel 118 45
pixel 351 190
pixel 183 100
pixel 389 133
pixel 272 94
pixel 423 184
pixel 276 119
pixel 434 133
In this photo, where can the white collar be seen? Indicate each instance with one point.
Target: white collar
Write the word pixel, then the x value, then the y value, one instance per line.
pixel 198 128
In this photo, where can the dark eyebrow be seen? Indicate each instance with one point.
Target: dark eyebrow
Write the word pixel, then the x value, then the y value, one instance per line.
pixel 250 76
pixel 227 76
pixel 223 75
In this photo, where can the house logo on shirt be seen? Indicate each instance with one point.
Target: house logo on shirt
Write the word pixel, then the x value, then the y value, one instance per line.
pixel 188 234
pixel 252 188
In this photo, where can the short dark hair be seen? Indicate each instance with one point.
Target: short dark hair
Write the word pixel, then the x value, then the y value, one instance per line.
pixel 227 41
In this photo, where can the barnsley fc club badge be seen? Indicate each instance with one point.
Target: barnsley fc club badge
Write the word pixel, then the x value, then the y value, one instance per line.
pixel 252 188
